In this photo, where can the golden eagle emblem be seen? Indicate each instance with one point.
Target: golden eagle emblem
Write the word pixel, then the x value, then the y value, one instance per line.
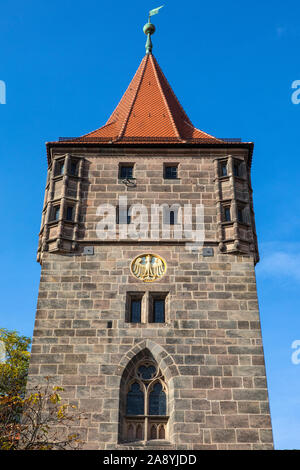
pixel 148 267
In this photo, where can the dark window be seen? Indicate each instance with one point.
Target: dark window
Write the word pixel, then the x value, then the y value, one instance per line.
pixel 59 167
pixel 157 401
pixel 240 214
pixel 69 213
pixel 170 172
pixel 227 214
pixel 125 220
pixel 135 400
pixel 158 310
pixel 55 213
pixel 135 310
pixel 172 217
pixel 237 168
pixel 223 169
pixel 126 171
pixel 73 167
pixel 147 372
pixel 157 307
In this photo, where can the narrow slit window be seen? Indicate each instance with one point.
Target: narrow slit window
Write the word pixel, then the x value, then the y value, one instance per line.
pixel 240 215
pixel 172 218
pixel 69 213
pixel 227 215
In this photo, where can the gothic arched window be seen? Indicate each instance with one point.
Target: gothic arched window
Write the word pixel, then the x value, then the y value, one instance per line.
pixel 145 416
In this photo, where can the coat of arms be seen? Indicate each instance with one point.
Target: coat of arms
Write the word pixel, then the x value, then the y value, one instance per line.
pixel 148 267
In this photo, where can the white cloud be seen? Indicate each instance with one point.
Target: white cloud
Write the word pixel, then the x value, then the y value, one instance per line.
pixel 280 260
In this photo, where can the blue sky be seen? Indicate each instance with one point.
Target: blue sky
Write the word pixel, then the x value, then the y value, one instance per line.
pixel 67 63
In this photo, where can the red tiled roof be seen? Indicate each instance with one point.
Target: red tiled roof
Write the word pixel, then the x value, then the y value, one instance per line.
pixel 149 110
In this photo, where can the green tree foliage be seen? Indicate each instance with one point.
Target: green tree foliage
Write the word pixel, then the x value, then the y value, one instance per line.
pixel 46 423
pixel 14 362
pixel 31 419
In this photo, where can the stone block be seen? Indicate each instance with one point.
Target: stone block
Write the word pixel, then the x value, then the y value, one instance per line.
pixel 223 435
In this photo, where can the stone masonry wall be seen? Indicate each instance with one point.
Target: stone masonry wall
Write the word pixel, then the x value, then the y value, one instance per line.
pixel 210 349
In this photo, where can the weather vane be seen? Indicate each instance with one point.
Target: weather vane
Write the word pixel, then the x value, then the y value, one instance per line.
pixel 149 29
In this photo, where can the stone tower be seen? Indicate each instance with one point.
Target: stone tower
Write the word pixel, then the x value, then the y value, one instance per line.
pixel 152 330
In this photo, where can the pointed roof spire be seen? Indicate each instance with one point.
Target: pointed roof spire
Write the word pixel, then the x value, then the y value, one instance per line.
pixel 149 111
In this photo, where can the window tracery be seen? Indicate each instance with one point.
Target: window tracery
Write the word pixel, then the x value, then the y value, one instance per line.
pixel 146 413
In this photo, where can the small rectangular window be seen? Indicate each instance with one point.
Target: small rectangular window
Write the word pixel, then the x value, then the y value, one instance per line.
pixel 237 168
pixel 170 172
pixel 223 169
pixel 241 215
pixel 59 167
pixel 135 311
pixel 134 307
pixel 69 213
pixel 126 171
pixel 158 310
pixel 227 215
pixel 55 213
pixel 157 307
pixel 73 167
